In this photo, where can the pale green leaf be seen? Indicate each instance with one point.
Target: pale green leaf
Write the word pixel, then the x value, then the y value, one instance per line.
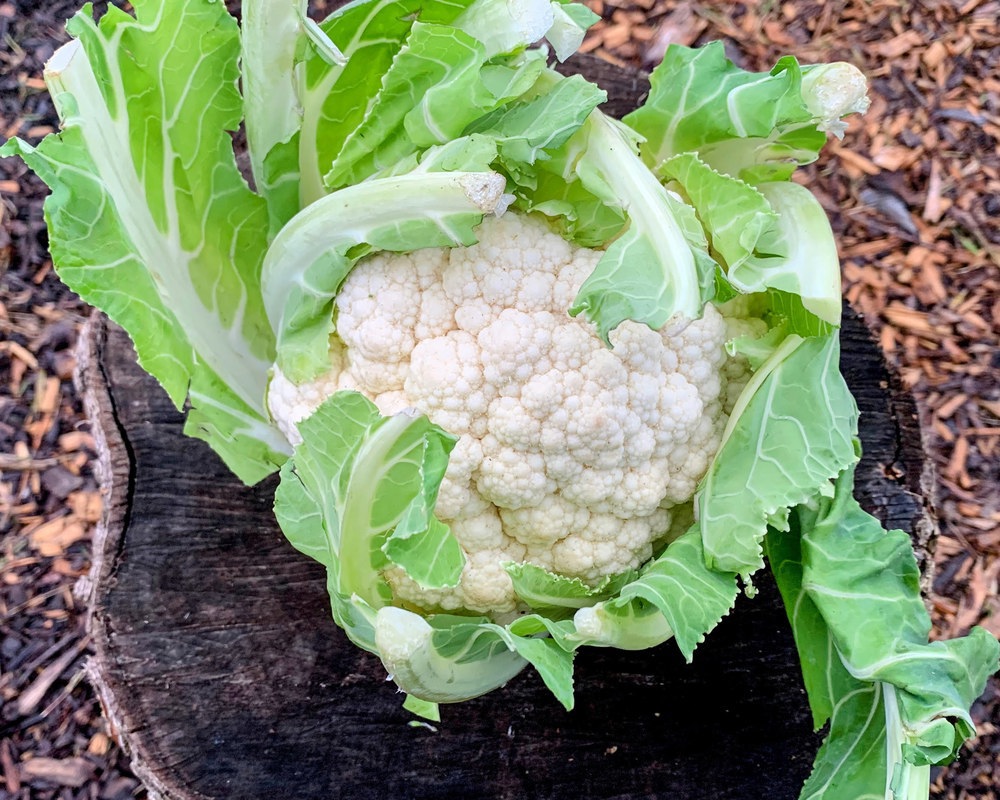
pixel 797 255
pixel 525 130
pixel 570 22
pixel 896 702
pixel 675 596
pixel 636 625
pixel 150 219
pixel 789 435
pixel 774 236
pixel 425 548
pixel 692 598
pixel 651 272
pixel 334 98
pixel 734 214
pixel 817 657
pixel 430 93
pixel 444 659
pixel 506 27
pixel 737 121
pixel 310 257
pixel 422 708
pixel 865 583
pixel 557 594
pixel 365 472
pixel 553 663
pixel 271 32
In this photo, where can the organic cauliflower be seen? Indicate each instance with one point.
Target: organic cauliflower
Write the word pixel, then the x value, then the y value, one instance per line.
pixel 570 455
pixel 399 126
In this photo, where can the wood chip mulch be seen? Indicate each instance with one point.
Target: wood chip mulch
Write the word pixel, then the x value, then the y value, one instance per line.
pixel 54 743
pixel 913 191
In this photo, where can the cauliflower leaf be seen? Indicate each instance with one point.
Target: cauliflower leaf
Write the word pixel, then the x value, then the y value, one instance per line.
pixel 852 594
pixel 752 126
pixel 791 432
pixel 375 481
pixel 150 213
pixel 689 599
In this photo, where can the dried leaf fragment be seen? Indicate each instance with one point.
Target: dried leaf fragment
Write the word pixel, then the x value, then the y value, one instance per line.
pixel 52 538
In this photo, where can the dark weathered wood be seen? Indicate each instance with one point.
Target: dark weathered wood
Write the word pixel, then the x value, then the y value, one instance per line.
pixel 225 677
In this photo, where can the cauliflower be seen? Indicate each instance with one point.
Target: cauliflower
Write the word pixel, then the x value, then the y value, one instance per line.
pixel 570 454
pixel 566 463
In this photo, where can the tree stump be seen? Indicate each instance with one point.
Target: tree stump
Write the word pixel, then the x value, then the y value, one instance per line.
pixel 224 676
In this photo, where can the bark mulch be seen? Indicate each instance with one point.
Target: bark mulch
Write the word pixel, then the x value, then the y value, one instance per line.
pixel 913 191
pixel 54 742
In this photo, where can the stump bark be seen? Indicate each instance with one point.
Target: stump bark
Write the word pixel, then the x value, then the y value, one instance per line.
pixel 224 676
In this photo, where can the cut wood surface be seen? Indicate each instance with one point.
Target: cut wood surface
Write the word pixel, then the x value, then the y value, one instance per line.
pixel 220 667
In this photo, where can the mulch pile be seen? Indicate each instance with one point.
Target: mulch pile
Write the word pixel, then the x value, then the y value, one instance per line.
pixel 913 191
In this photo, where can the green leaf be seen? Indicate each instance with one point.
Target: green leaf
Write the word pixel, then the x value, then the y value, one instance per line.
pixel 578 213
pixel 552 662
pixel 852 762
pixel 422 708
pixel 692 598
pixel 562 631
pixel 150 219
pixel 335 98
pixel 271 34
pixel 465 154
pixel 310 257
pixel 430 93
pixel 786 312
pixel 448 659
pixel 736 120
pixel 896 702
pixel 525 130
pixel 509 79
pixel 367 474
pixel 817 658
pixel 444 659
pixel 652 272
pixel 797 255
pixel 676 596
pixel 555 594
pixel 791 432
pixel 413 75
pixel 865 583
pixel 636 625
pixel 773 237
pixel 450 79
pixel 301 518
pixel 504 27
pixel 424 547
pixel 734 214
pixel 570 23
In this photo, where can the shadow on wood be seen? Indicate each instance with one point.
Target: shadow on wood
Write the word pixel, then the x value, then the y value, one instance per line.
pixel 225 676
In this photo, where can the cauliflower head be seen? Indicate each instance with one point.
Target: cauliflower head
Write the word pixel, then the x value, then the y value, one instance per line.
pixel 570 455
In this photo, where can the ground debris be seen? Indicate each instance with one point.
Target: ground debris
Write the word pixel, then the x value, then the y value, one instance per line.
pixel 62 771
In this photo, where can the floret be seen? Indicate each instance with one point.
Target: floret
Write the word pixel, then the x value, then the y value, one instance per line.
pixel 569 453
